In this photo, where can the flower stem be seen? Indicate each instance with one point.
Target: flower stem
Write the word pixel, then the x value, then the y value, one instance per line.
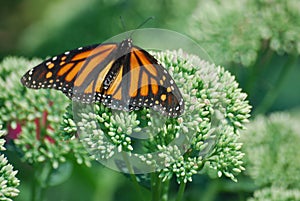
pixel 180 191
pixel 155 186
pixel 40 181
pixel 37 192
pixel 211 191
pixel 272 94
pixel 165 189
pixel 132 176
pixel 257 69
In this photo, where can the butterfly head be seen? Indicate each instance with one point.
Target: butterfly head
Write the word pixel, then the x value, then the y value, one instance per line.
pixel 126 45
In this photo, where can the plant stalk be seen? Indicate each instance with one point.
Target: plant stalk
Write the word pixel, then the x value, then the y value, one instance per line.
pixel 132 176
pixel 165 189
pixel 272 94
pixel 40 181
pixel 155 187
pixel 181 191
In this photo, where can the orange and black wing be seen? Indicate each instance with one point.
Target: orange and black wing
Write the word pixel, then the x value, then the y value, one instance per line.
pixel 143 82
pixel 77 73
pixel 121 78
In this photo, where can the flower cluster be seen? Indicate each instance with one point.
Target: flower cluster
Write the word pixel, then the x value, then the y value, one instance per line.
pixel 271 145
pixel 32 118
pixel 279 24
pixel 239 30
pixel 8 180
pixel 204 139
pixel 275 194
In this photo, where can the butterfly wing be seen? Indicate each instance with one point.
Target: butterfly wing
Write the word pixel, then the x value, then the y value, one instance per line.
pixel 143 82
pixel 73 72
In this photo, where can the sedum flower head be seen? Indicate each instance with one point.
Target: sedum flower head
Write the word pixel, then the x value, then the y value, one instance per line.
pixel 226 30
pixel 279 23
pixel 8 180
pixel 33 117
pixel 275 194
pixel 271 145
pixel 235 31
pixel 202 140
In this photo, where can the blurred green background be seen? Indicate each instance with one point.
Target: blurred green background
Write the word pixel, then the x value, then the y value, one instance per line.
pixel 41 28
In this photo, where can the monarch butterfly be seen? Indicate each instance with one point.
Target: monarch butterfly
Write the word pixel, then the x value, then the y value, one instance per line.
pixel 120 75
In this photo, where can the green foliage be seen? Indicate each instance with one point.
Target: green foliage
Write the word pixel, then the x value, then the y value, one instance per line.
pixel 216 110
pixel 271 145
pixel 238 31
pixel 8 180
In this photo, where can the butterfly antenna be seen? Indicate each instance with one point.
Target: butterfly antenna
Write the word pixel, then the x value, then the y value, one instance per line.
pixel 123 23
pixel 142 24
pixel 148 19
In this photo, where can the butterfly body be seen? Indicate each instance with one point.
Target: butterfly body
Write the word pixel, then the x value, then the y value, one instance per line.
pixel 120 75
